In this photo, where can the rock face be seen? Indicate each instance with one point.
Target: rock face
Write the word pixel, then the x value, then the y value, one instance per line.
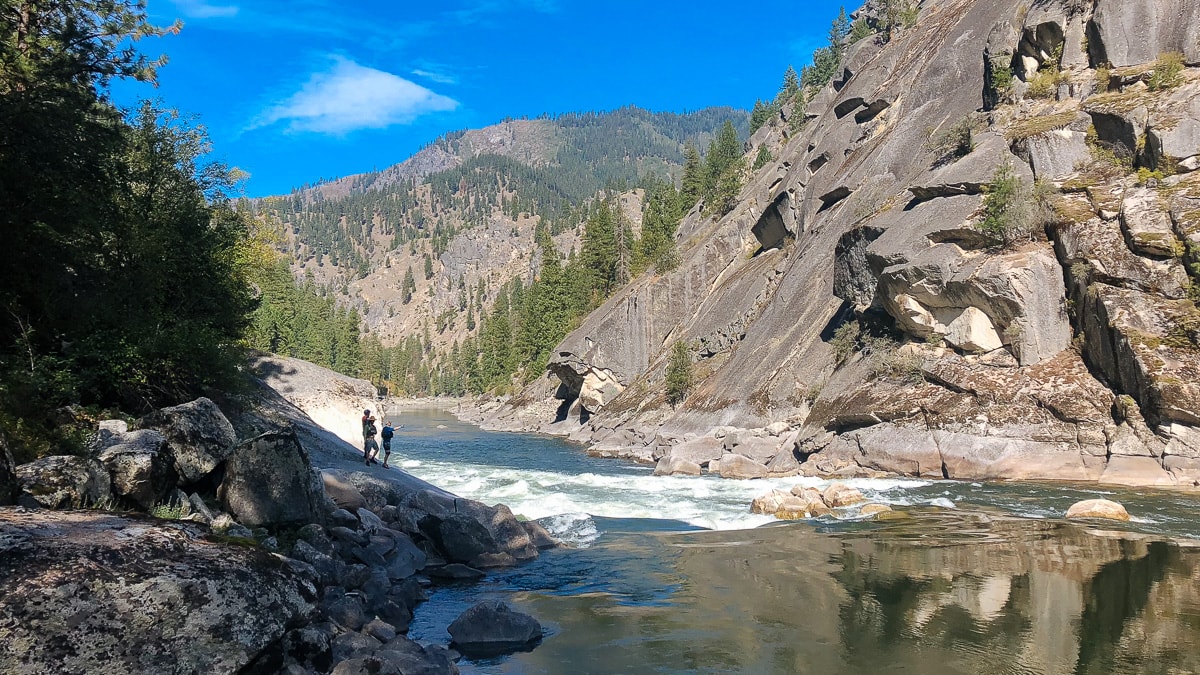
pixel 853 293
pixel 198 433
pixel 77 595
pixel 492 627
pixel 269 481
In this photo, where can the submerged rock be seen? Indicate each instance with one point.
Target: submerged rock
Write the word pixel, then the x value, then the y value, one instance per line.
pixel 1098 508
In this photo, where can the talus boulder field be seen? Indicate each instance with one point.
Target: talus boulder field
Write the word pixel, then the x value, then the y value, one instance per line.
pixel 863 293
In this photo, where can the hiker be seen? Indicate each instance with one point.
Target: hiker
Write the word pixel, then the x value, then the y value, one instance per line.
pixel 370 447
pixel 386 435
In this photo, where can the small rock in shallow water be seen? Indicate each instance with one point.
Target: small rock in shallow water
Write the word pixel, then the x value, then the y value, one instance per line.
pixel 874 509
pixel 1098 508
pixel 492 627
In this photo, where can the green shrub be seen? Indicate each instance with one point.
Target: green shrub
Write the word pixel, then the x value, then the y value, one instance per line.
pixel 764 157
pixel 845 341
pixel 953 143
pixel 1002 75
pixel 860 29
pixel 1012 210
pixel 1168 72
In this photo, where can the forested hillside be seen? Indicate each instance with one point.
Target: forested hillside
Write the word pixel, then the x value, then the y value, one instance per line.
pixel 468 262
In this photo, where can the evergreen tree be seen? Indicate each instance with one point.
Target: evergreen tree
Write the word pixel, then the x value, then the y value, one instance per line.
pixel 408 287
pixel 789 88
pixel 428 267
pixel 679 378
pixel 759 116
pixel 693 177
pixel 838 32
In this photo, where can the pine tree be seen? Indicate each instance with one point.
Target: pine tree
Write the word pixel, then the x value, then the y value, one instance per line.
pixel 408 286
pixel 693 177
pixel 428 267
pixel 789 88
pixel 759 116
pixel 838 33
pixel 679 378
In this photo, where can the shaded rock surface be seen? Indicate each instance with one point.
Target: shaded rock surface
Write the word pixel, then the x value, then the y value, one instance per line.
pixel 77 595
pixel 492 627
pixel 63 482
pixel 270 481
pixel 198 433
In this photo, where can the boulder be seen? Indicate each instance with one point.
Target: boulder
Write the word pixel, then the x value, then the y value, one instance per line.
pixel 784 463
pixel 141 467
pixel 492 627
pixel 463 538
pixel 1055 154
pixel 741 467
pixel 412 658
pixel 353 646
pixel 761 450
pixel 65 482
pixel 1147 224
pixel 899 450
pixel 10 485
pixel 269 481
pixel 343 493
pixel 868 510
pixel 675 466
pixel 838 495
pixel 347 612
pixel 700 450
pixel 92 592
pixel 1098 508
pixel 540 537
pixel 405 559
pixel 199 435
pixel 768 503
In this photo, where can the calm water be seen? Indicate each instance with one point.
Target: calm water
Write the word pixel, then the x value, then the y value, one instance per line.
pixel 673 575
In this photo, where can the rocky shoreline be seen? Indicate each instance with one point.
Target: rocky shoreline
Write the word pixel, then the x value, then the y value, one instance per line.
pixel 242 537
pixel 784 450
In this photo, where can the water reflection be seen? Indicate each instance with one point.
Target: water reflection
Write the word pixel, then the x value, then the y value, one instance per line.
pixel 936 593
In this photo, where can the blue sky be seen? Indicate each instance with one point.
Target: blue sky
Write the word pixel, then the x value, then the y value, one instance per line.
pixel 294 91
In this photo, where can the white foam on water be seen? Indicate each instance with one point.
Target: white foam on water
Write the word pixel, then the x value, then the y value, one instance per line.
pixel 943 502
pixel 707 502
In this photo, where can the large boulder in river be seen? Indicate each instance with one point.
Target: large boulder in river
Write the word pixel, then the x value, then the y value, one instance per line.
pixel 492 627
pixel 676 466
pixel 141 467
pixel 1098 508
pixel 65 482
pixel 741 467
pixel 464 538
pixel 270 481
pixel 10 486
pixel 199 435
pixel 91 592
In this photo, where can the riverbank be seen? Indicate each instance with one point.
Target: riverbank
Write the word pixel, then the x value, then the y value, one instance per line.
pixel 785 450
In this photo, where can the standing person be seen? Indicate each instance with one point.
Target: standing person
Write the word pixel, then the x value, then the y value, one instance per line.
pixel 370 447
pixel 386 435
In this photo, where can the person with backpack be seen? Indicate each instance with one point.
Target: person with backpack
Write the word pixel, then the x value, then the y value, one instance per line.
pixel 387 434
pixel 370 447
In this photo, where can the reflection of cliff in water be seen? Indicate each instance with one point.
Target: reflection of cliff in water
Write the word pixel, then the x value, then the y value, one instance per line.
pixel 937 593
pixel 957 594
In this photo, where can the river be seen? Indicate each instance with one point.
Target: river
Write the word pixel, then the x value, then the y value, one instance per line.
pixel 674 575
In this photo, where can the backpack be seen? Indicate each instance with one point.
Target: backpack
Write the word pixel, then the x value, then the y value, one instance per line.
pixel 387 433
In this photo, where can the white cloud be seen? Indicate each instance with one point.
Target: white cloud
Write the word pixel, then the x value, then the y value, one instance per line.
pixel 432 76
pixel 349 97
pixel 199 9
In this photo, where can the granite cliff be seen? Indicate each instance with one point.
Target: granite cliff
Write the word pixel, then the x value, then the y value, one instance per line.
pixel 878 303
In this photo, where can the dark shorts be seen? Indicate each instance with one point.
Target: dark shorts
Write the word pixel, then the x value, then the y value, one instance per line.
pixel 387 445
pixel 370 444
